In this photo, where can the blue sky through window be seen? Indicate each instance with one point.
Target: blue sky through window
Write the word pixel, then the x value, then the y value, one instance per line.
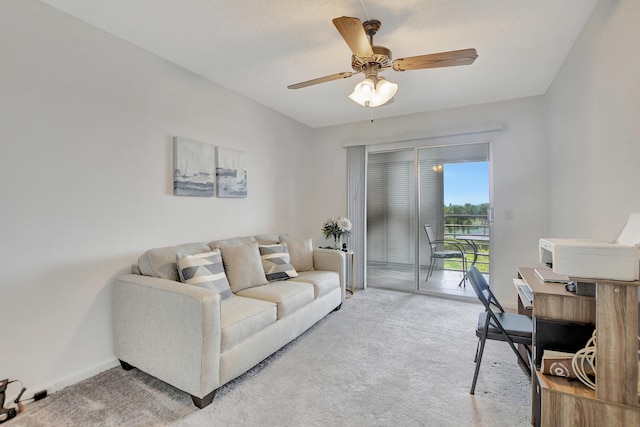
pixel 466 183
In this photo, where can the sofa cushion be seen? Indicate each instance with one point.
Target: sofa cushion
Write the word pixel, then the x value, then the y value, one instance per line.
pixel 204 270
pixel 234 241
pixel 276 262
pixel 161 262
pixel 241 318
pixel 243 266
pixel 289 295
pixel 300 251
pixel 323 281
pixel 268 239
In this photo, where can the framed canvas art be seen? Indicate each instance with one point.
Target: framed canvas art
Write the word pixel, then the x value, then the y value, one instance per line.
pixel 231 175
pixel 193 168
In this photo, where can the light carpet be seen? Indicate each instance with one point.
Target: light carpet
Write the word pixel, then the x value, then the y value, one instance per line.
pixel 385 359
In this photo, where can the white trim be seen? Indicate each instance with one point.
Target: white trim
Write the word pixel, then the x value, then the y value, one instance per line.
pixel 78 376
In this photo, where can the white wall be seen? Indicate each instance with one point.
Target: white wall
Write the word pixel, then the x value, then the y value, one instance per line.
pixel 87 122
pixel 518 162
pixel 594 127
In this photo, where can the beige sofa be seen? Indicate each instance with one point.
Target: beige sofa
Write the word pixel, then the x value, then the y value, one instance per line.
pixel 198 337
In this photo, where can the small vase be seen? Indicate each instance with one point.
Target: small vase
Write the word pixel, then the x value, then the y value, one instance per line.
pixel 337 242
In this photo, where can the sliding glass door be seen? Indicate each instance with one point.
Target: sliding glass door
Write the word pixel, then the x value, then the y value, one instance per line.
pixel 390 220
pixel 454 201
pixel 444 187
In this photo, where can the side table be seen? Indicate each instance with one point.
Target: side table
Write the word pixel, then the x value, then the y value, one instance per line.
pixel 351 258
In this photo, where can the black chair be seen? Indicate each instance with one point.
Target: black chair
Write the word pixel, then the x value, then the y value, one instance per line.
pixel 498 325
pixel 451 249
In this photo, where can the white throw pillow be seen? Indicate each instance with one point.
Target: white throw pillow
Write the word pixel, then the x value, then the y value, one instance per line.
pixel 300 251
pixel 243 266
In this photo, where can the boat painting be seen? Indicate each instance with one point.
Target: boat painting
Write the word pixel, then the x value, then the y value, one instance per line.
pixel 231 174
pixel 193 168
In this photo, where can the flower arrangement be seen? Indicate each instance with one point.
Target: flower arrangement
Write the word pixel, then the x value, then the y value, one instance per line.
pixel 336 228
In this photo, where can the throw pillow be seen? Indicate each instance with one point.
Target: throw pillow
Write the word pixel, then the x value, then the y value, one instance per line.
pixel 243 266
pixel 161 262
pixel 204 270
pixel 300 251
pixel 276 262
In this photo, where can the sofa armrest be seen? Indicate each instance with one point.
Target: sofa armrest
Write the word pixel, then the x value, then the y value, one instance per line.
pixel 332 260
pixel 169 330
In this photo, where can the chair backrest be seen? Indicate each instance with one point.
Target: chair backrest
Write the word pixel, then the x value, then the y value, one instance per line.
pixel 430 236
pixel 482 289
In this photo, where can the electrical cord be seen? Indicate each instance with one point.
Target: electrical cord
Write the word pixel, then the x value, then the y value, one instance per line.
pixel 22 390
pixel 584 361
pixel 9 413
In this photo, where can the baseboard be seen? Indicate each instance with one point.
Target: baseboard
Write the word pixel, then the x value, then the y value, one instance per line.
pixel 78 376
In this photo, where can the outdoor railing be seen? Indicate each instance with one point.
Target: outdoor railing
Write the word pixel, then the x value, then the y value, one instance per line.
pixel 465 224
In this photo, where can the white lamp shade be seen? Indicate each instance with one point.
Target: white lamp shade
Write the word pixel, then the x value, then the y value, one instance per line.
pixel 385 91
pixel 363 92
pixel 374 91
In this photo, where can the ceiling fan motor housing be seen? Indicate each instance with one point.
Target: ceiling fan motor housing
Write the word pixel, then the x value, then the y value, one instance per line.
pixel 381 57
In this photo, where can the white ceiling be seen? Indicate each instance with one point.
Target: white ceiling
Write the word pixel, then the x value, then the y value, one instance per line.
pixel 257 47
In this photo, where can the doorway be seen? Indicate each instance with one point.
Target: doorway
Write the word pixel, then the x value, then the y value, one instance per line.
pixel 446 187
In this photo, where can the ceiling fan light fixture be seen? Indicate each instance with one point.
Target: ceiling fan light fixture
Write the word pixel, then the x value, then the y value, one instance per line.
pixel 367 86
pixel 386 88
pixel 374 91
pixel 363 91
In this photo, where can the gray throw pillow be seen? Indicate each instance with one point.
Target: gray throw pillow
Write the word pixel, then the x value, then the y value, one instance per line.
pixel 276 262
pixel 204 270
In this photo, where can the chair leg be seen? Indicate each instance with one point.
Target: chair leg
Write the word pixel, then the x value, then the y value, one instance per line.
pixel 465 266
pixel 478 361
pixel 520 357
pixel 475 359
pixel 430 272
pixel 463 282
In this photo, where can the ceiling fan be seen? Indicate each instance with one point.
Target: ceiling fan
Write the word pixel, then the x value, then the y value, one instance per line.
pixel 369 59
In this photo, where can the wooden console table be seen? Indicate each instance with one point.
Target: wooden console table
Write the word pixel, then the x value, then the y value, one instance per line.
pixel 614 311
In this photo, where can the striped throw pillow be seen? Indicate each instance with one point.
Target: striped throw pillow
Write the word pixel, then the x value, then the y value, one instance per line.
pixel 204 270
pixel 276 262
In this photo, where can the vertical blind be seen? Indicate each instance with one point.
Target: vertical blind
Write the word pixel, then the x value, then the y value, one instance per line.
pixel 391 208
pixel 356 208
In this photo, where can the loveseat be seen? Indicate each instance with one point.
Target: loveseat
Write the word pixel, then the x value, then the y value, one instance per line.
pixel 198 315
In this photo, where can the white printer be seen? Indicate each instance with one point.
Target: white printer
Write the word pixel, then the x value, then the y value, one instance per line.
pixel 619 260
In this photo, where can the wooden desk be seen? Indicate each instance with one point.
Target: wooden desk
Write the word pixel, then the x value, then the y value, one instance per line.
pixel 554 302
pixel 614 311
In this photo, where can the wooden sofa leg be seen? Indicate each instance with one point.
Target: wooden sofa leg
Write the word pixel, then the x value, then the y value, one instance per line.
pixel 338 307
pixel 205 401
pixel 125 365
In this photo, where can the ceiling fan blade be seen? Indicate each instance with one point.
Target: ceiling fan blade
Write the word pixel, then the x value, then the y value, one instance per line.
pixel 353 33
pixel 324 79
pixel 435 60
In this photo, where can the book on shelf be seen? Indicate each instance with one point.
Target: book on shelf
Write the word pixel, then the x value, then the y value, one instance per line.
pixel 549 276
pixel 560 364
